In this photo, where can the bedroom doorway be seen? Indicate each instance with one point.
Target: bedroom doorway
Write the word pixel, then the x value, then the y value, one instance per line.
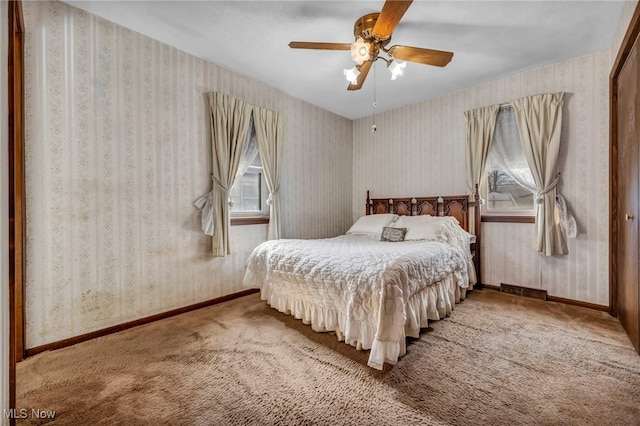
pixel 625 183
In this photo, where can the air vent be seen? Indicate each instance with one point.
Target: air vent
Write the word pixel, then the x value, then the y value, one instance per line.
pixel 533 293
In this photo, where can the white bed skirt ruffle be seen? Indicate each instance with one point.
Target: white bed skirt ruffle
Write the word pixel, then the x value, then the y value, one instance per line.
pixel 432 303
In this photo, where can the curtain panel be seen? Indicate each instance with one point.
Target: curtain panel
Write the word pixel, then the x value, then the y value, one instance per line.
pixel 269 128
pixel 539 120
pixel 480 124
pixel 230 119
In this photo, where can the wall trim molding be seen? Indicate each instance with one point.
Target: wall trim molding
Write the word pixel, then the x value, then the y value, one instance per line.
pixel 603 308
pixel 508 219
pixel 135 323
pixel 256 220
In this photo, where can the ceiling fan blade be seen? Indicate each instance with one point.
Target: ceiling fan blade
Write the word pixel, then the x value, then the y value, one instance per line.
pixel 390 15
pixel 322 46
pixel 438 58
pixel 364 70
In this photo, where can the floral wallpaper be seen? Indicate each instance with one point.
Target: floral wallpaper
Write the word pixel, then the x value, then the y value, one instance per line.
pixel 420 151
pixel 117 139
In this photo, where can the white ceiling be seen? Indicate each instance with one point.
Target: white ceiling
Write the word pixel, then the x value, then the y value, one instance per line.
pixel 490 39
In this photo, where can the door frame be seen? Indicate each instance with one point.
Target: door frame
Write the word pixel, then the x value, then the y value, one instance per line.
pixel 17 210
pixel 623 53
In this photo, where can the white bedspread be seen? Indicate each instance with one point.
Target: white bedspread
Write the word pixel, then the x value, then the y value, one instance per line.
pixel 371 293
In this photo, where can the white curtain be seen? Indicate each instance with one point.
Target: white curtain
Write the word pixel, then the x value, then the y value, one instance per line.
pixel 480 125
pixel 539 121
pixel 249 153
pixel 506 150
pixel 269 127
pixel 230 120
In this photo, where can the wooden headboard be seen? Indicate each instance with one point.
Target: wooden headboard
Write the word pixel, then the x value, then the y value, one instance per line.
pixel 455 205
pixel 451 205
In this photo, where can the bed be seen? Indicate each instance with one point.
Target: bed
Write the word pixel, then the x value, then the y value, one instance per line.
pixel 406 262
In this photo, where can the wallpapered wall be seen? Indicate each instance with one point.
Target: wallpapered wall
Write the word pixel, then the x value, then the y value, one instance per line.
pixel 420 149
pixel 118 149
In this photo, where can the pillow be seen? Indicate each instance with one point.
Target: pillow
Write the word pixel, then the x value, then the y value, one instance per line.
pixel 371 225
pixel 427 218
pixel 445 219
pixel 393 234
pixel 423 227
pixel 412 220
pixel 426 231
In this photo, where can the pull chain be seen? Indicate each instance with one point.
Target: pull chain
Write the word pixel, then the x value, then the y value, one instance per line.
pixel 375 102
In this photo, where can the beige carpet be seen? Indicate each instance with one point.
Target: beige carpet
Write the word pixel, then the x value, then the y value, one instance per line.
pixel 498 360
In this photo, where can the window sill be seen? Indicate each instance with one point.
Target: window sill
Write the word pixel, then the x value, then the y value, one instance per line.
pixel 508 219
pixel 255 220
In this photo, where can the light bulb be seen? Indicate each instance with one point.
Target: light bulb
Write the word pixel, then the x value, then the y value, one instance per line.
pixel 351 75
pixel 360 51
pixel 396 68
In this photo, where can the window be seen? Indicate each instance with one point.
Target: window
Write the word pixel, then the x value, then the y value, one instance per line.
pixel 509 184
pixel 249 194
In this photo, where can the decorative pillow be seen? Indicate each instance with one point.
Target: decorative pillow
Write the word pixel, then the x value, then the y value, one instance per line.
pixel 393 234
pixel 371 225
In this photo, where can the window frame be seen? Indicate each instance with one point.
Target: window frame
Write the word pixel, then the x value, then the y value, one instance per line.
pixel 254 217
pixel 484 191
pixel 503 215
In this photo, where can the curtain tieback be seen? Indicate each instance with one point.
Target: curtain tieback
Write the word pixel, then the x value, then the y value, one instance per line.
pixel 224 188
pixel 271 194
pixel 540 195
pixel 220 185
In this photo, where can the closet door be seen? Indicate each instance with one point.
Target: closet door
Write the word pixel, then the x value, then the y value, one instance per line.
pixel 628 194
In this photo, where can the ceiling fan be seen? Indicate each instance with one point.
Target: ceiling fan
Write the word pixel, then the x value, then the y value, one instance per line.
pixel 373 33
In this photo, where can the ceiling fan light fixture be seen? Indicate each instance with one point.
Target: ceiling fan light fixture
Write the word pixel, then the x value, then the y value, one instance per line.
pixel 360 51
pixel 352 75
pixel 396 68
pixel 372 34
